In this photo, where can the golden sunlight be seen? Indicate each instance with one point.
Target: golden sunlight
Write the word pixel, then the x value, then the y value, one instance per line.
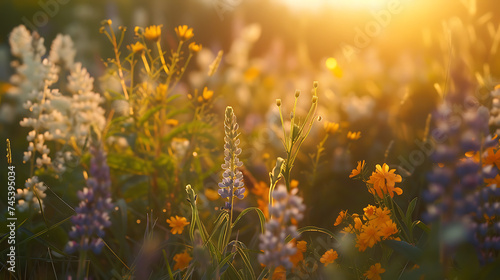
pixel 348 4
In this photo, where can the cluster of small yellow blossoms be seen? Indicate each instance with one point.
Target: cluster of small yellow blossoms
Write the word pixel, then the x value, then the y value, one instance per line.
pixel 205 96
pixel 153 33
pixel 377 226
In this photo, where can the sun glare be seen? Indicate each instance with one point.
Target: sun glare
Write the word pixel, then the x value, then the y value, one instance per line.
pixel 348 4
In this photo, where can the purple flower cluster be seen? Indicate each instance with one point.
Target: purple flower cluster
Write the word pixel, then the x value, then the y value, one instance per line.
pixel 232 178
pixel 463 184
pixel 272 241
pixel 455 178
pixel 92 214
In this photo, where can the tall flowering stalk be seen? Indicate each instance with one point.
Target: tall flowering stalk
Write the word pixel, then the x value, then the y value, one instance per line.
pixel 232 179
pixel 92 214
pixel 277 251
pixel 59 118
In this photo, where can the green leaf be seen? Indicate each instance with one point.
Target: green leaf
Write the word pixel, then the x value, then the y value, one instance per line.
pixel 411 252
pixel 423 226
pixel 149 113
pixel 259 212
pixel 246 260
pixel 171 277
pixel 409 211
pixel 223 216
pixel 263 274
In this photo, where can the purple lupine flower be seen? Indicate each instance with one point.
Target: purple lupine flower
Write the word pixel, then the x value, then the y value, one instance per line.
pixel 92 213
pixel 454 179
pixel 272 241
pixel 232 178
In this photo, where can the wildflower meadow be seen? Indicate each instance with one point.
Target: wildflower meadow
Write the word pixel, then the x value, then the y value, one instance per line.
pixel 238 139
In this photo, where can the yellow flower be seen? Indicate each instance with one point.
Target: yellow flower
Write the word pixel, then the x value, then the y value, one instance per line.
pixel 331 127
pixel 153 32
pixel 137 47
pixel 207 94
pixel 182 260
pixel 193 47
pixel 359 168
pixel 184 33
pixel 161 89
pixel 211 194
pixel 329 257
pixel 384 180
pixel 172 122
pixel 251 74
pixel 353 135
pixel 177 224
pixel 374 272
pixel 340 218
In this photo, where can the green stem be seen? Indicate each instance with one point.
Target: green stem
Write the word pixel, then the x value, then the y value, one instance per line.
pixel 81 263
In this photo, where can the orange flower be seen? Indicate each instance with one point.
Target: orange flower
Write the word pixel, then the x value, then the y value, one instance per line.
pixel 329 257
pixel 359 168
pixel 370 235
pixel 384 180
pixel 382 216
pixel 294 183
pixel 374 272
pixel 493 181
pixel 492 157
pixel 369 212
pixel 302 246
pixel 177 224
pixel 296 258
pixel 184 33
pixel 279 273
pixel 388 228
pixel 182 260
pixel 153 32
pixel 358 223
pixel 340 218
